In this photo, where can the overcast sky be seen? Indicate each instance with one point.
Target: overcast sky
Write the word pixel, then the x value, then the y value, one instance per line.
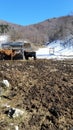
pixel 26 12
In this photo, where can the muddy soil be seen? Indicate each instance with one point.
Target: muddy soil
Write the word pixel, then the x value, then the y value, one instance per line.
pixel 43 89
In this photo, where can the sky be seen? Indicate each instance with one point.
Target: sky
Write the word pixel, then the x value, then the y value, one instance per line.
pixel 27 12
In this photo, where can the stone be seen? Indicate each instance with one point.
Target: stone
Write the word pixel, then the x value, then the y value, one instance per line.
pixel 5 83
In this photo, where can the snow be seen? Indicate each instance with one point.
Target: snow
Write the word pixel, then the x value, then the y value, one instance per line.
pixel 3 39
pixel 58 49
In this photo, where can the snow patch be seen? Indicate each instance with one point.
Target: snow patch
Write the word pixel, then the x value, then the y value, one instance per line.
pixel 59 49
pixel 4 39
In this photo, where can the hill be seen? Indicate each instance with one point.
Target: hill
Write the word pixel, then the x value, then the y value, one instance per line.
pixel 48 30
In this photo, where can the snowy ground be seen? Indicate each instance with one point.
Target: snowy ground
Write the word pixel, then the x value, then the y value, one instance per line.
pixel 57 49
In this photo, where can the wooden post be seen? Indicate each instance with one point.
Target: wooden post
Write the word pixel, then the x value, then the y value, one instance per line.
pixel 22 51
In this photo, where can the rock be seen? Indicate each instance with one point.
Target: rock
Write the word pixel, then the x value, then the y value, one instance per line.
pixel 14 112
pixel 11 112
pixel 5 83
pixel 13 127
pixel 71 128
pixel 18 112
pixel 16 127
pixel 7 64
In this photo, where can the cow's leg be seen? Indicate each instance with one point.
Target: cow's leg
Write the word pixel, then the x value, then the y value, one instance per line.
pixel 34 57
pixel 26 57
pixel 0 56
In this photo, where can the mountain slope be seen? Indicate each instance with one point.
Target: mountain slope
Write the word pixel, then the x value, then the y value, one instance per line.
pixel 48 30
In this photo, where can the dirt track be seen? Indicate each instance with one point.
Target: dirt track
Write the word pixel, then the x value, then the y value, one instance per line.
pixel 41 88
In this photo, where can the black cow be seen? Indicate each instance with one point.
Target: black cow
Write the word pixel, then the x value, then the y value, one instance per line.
pixel 6 57
pixel 1 56
pixel 18 56
pixel 15 57
pixel 29 54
